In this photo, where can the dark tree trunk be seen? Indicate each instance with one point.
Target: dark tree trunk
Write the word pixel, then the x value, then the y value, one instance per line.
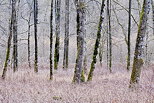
pixel 57 43
pixel 35 35
pixel 129 32
pixel 97 43
pixel 51 40
pixel 15 41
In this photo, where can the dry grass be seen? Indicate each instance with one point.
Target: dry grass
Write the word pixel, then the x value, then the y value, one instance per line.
pixel 25 86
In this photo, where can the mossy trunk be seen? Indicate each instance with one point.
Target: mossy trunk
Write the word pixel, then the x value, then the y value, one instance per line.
pixel 90 75
pixel 140 45
pixel 35 35
pixel 57 43
pixel 8 50
pixel 79 73
pixel 51 40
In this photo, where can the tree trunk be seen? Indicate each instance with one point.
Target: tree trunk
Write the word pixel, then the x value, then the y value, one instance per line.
pixel 35 35
pixel 15 41
pixel 152 3
pixel 129 32
pixel 109 34
pixel 78 74
pixel 57 43
pixel 66 39
pixel 8 49
pixel 97 42
pixel 140 45
pixel 51 40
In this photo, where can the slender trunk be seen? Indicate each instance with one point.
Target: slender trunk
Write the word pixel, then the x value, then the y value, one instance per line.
pixel 29 28
pixel 109 33
pixel 97 42
pixel 129 32
pixel 8 50
pixel 15 41
pixel 35 35
pixel 51 40
pixel 140 45
pixel 66 40
pixel 57 43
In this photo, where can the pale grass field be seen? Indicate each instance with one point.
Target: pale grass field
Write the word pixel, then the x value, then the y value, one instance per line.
pixel 25 86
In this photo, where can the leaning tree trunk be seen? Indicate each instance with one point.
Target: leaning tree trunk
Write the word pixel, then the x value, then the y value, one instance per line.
pixel 15 41
pixel 35 35
pixel 97 42
pixel 57 43
pixel 51 40
pixel 8 50
pixel 66 39
pixel 129 31
pixel 78 73
pixel 140 45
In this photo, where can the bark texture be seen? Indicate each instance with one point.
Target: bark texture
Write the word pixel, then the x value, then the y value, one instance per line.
pixel 140 45
pixel 51 40
pixel 90 75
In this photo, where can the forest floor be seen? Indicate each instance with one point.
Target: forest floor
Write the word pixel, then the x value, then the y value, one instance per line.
pixel 25 86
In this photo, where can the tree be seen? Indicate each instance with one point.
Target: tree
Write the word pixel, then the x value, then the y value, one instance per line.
pixel 56 55
pixel 152 3
pixel 8 49
pixel 97 42
pixel 66 39
pixel 129 32
pixel 109 37
pixel 15 41
pixel 80 19
pixel 35 34
pixel 51 40
pixel 140 45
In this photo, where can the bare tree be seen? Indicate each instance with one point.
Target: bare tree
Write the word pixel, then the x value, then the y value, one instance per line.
pixel 78 73
pixel 56 55
pixel 51 40
pixel 15 41
pixel 97 42
pixel 35 35
pixel 8 49
pixel 129 32
pixel 140 45
pixel 66 39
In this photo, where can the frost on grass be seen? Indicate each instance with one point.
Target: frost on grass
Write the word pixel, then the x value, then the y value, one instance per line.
pixel 27 87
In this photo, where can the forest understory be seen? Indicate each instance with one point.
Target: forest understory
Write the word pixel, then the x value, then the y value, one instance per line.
pixel 25 86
